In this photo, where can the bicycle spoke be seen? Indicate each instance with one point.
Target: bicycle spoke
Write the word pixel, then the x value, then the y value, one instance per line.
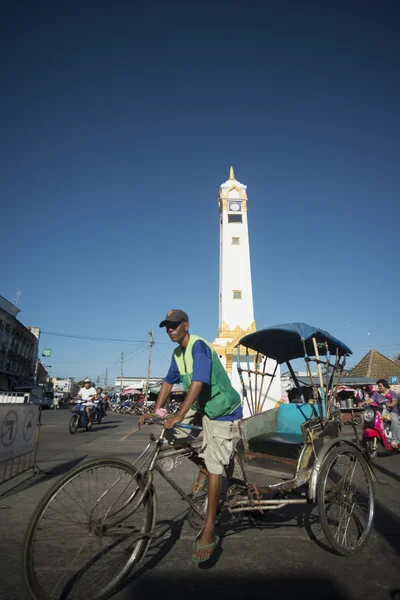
pixel 86 554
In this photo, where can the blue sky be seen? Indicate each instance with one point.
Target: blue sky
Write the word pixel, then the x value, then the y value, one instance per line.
pixel 119 123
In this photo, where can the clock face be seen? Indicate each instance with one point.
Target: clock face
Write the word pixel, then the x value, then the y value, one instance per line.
pixel 235 206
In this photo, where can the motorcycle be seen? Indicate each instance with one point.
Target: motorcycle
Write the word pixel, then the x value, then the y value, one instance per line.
pixel 79 417
pixel 376 432
pixel 173 407
pixel 100 411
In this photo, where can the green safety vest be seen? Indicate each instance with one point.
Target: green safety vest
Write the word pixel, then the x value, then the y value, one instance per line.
pixel 216 400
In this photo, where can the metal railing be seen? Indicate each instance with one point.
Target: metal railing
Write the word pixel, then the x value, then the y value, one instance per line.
pixel 15 398
pixel 19 434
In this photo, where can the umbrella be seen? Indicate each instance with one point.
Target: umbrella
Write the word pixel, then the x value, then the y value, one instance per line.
pixel 131 390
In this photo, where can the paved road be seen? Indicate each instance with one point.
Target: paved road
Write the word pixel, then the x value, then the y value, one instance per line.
pixel 272 556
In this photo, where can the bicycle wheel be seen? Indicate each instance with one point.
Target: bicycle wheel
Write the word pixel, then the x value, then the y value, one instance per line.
pixel 75 546
pixel 345 498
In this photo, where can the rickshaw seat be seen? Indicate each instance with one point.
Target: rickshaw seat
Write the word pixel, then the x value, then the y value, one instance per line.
pixel 276 432
pixel 290 417
pixel 275 443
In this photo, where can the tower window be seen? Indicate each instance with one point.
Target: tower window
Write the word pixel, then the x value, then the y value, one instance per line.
pixel 235 241
pixel 235 219
pixel 237 294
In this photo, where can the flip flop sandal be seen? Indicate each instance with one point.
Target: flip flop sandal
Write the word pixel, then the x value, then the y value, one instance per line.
pixel 199 486
pixel 213 545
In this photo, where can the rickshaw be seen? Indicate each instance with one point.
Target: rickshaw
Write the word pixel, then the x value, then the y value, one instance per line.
pixel 97 523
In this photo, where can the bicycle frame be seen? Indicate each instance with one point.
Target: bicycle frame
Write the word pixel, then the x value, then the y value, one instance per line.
pixel 148 477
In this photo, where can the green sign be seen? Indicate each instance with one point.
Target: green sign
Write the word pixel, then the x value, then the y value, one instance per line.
pixel 46 352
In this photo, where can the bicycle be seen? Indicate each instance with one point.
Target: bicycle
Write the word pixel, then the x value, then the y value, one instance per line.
pixel 112 504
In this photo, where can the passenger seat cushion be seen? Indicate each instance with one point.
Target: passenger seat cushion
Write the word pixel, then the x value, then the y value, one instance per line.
pixel 291 417
pixel 284 445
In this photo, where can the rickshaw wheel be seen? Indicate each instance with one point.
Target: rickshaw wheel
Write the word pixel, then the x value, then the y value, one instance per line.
pixel 345 498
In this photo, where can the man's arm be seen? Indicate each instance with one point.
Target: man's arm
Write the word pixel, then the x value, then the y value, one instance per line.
pixel 163 395
pixel 201 377
pixel 191 397
pixel 202 358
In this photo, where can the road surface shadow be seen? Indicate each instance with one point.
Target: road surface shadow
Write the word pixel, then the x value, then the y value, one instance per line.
pixel 44 476
pixel 386 523
pixel 385 471
pixel 96 428
pixel 165 536
pixel 203 585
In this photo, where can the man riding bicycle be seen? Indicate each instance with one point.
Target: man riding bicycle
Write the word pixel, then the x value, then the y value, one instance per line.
pixel 211 399
pixel 87 394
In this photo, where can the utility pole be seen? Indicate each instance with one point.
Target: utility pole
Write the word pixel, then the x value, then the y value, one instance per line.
pixel 97 381
pixel 149 364
pixel 122 368
pixel 106 380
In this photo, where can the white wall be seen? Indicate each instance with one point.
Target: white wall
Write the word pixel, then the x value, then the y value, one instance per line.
pixel 236 271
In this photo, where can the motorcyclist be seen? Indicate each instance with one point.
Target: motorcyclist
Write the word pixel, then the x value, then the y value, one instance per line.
pixel 87 394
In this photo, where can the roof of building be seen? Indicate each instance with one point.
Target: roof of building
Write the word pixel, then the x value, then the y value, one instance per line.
pixel 9 307
pixel 360 380
pixel 376 365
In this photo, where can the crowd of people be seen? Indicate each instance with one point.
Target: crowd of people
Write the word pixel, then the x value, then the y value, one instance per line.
pixel 384 395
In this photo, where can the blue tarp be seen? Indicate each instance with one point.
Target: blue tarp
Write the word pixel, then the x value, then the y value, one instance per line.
pixel 285 342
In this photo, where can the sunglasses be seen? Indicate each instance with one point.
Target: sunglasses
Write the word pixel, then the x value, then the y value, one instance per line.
pixel 171 325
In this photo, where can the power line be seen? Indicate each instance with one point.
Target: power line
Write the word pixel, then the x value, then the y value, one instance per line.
pixel 162 354
pixel 135 353
pixel 98 339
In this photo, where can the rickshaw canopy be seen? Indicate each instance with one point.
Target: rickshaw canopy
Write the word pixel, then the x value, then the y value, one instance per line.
pixel 285 342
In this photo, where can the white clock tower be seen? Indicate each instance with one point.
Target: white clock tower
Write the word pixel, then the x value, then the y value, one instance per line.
pixel 236 311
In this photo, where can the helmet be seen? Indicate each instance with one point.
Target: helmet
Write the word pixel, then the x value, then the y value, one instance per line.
pixel 87 380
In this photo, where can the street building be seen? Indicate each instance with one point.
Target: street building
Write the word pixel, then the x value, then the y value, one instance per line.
pixel 18 350
pixel 138 383
pixel 64 388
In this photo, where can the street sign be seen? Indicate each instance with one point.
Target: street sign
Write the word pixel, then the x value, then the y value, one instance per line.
pixel 46 352
pixel 394 380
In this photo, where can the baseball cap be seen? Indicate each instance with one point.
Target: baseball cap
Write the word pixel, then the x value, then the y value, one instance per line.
pixel 174 316
pixel 87 380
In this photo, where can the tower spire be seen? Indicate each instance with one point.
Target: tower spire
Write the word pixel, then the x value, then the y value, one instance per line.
pixel 231 173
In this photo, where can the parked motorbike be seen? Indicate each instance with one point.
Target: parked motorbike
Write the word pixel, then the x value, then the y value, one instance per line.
pixel 173 407
pixel 376 433
pixel 79 419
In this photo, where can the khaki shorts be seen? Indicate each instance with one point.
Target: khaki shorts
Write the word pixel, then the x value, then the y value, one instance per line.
pixel 217 440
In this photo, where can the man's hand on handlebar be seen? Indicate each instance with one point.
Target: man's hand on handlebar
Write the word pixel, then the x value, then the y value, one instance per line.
pixel 144 418
pixel 170 422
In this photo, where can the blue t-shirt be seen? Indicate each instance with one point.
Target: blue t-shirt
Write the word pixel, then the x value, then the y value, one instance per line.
pixel 202 361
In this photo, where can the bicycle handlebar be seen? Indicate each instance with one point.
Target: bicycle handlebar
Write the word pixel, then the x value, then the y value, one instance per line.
pixel 187 426
pixel 156 419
